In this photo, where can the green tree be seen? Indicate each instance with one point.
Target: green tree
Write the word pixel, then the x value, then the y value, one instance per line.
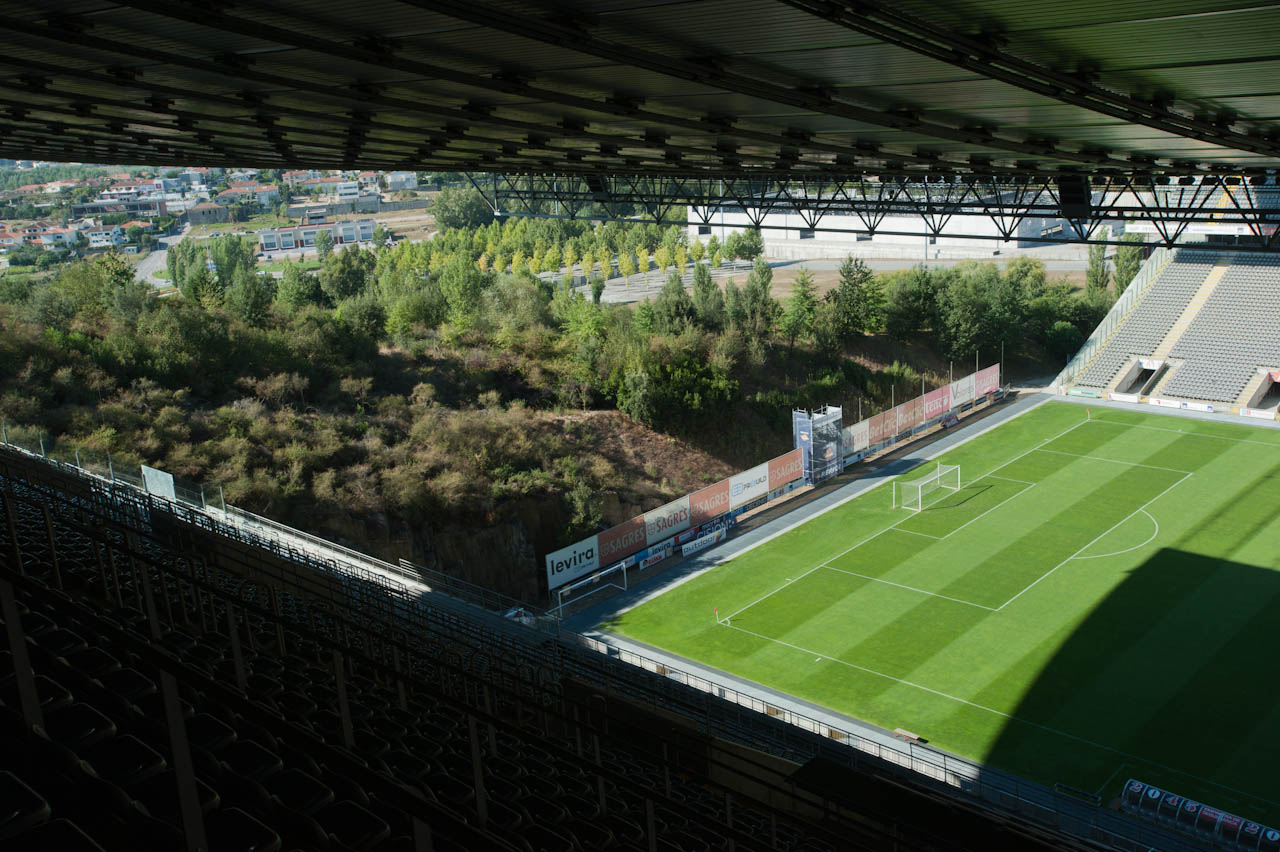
pixel 249 298
pixel 801 309
pixel 380 235
pixel 344 275
pixel 364 314
pixel 298 288
pixel 673 309
pixel 1063 339
pixel 231 257
pixel 604 257
pixel 456 207
pixel 461 283
pixel 597 288
pixel 911 304
pixel 1129 259
pixel 324 244
pixel 708 302
pixel 199 286
pixel 1098 274
pixel 760 309
pixel 857 303
pixel 662 257
pixel 735 308
pixel 751 245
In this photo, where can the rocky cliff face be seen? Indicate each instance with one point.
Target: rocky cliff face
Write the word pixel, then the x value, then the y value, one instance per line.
pixel 504 551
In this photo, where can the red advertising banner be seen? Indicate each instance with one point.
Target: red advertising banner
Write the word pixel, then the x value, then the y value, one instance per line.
pixel 709 503
pixel 878 424
pixel 786 468
pixel 910 414
pixel 987 380
pixel 937 402
pixel 617 543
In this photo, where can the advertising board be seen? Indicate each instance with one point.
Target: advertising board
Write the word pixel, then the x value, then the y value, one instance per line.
pixel 857 437
pixel 709 502
pixel 876 428
pixel 910 414
pixel 785 468
pixel 665 521
pixel 617 543
pixel 937 402
pixel 158 482
pixel 569 563
pixel 1124 397
pixel 987 380
pixel 704 542
pixel 962 391
pixel 1259 413
pixel 748 485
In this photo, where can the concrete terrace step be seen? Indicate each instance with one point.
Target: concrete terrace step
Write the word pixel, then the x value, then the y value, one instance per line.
pixel 1193 307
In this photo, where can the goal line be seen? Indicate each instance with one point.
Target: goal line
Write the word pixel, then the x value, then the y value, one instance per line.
pixel 913 496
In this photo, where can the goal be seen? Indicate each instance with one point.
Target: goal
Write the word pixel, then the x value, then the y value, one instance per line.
pixel 914 494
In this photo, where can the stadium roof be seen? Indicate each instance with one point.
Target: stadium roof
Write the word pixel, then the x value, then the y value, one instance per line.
pixel 645 86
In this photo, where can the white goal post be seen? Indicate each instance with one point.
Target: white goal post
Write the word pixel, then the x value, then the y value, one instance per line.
pixel 913 494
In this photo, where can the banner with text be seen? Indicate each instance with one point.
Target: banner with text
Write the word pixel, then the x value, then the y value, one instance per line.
pixel 653 534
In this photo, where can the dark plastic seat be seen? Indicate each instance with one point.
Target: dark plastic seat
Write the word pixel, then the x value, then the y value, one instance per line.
pixel 254 761
pixel 78 726
pixel 60 834
pixel 233 830
pixel 52 695
pixel 299 791
pixel 128 683
pixel 405 766
pixel 209 732
pixel 21 808
pixel 62 642
pixel 353 825
pixel 159 793
pixel 94 662
pixel 124 760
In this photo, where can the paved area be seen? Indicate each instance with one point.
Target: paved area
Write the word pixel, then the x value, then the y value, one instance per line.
pixel 156 261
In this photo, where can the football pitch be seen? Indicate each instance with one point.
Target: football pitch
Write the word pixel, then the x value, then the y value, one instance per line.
pixel 1099 599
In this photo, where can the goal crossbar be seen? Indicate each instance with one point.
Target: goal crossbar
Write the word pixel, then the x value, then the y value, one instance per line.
pixel 914 494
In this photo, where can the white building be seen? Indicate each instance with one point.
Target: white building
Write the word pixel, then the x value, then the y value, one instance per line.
pixel 347 191
pixel 397 181
pixel 787 235
pixel 304 236
pixel 105 237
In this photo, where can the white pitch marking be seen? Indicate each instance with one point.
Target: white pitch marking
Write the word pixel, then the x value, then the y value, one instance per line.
pixel 911 588
pixel 1150 539
pixel 1095 541
pixel 908 517
pixel 1193 434
pixel 1117 461
pixel 1005 715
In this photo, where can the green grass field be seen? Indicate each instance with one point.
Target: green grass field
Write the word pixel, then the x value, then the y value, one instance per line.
pixel 1100 599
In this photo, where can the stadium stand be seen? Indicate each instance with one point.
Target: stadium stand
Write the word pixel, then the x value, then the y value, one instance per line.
pixel 1150 320
pixel 1236 331
pixel 167 677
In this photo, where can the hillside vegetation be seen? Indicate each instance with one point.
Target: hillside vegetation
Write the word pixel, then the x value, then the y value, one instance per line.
pixel 437 401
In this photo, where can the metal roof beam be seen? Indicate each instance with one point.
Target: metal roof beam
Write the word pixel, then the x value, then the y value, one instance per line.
pixel 988 58
pixel 813 99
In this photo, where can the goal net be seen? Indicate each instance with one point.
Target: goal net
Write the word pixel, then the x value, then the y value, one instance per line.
pixel 915 495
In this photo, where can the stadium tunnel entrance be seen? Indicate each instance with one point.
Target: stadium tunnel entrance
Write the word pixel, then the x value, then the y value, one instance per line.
pixel 1178 664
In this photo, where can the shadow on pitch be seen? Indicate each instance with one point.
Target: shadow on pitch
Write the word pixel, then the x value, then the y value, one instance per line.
pixel 1175 667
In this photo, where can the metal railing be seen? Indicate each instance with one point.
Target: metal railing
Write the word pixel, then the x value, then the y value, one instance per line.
pixel 1115 317
pixel 791 734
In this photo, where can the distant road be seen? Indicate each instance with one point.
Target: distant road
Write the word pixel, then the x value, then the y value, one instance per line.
pixel 157 261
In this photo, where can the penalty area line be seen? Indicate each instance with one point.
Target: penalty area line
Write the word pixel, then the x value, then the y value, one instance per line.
pixel 1097 539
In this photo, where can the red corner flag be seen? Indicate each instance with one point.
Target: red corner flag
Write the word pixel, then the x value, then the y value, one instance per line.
pixel 717 613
